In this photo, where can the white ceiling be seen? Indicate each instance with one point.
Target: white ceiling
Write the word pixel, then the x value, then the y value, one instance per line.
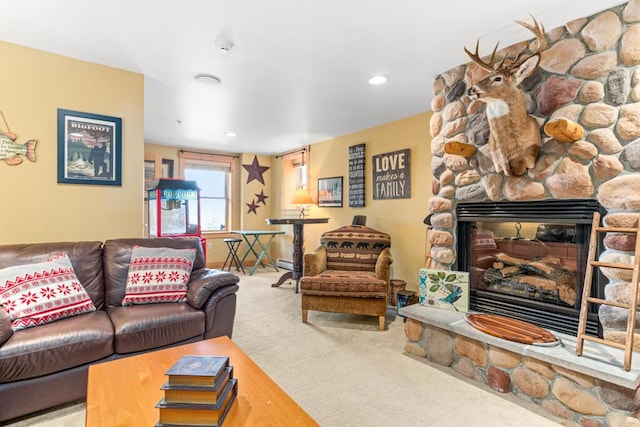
pixel 299 69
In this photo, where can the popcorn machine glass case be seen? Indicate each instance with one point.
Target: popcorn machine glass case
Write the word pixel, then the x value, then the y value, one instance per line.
pixel 174 208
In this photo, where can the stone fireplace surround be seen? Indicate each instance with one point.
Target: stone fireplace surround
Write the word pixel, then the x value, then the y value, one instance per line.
pixel 592 390
pixel 589 74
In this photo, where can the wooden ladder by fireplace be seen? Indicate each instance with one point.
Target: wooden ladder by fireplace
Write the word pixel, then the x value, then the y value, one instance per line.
pixel 588 299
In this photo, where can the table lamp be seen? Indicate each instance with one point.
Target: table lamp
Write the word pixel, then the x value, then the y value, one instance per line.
pixel 302 198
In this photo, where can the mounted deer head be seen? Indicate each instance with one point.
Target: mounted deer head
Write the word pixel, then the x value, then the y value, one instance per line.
pixel 514 139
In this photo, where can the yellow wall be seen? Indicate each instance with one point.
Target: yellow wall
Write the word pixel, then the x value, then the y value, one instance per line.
pixel 401 218
pixel 33 206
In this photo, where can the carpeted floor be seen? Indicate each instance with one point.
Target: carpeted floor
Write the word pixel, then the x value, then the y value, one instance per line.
pixel 346 372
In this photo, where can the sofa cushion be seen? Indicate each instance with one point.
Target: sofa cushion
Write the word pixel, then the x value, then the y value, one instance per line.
pixel 339 282
pixel 354 247
pixel 54 347
pixel 158 275
pixel 35 294
pixel 144 327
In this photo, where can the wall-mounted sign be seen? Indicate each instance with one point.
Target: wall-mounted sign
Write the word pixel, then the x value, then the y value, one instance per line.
pixel 356 176
pixel 392 175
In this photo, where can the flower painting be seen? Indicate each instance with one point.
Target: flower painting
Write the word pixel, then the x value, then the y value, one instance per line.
pixel 444 289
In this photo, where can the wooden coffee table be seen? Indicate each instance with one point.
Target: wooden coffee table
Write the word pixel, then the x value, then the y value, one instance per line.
pixel 124 392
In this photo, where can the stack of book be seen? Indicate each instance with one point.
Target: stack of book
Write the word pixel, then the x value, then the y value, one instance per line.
pixel 199 392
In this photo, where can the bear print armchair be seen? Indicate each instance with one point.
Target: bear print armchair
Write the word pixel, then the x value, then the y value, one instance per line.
pixel 348 273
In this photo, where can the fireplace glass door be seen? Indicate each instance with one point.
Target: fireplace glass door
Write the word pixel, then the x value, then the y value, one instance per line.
pixel 531 260
pixel 527 260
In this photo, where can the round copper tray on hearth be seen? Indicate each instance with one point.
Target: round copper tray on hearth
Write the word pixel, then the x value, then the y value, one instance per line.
pixel 511 329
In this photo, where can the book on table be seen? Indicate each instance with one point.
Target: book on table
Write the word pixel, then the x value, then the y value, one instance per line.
pixel 188 393
pixel 197 370
pixel 198 414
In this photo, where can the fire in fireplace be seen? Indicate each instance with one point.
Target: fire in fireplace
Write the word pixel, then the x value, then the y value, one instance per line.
pixel 527 260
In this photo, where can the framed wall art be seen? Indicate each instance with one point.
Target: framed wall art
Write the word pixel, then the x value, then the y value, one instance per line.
pixel 89 148
pixel 392 175
pixel 330 192
pixel 356 176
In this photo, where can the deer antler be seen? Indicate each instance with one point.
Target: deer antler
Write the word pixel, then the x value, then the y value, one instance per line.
pixel 488 66
pixel 538 30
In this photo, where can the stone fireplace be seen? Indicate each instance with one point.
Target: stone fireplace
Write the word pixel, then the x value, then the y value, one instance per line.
pixel 589 74
pixel 527 260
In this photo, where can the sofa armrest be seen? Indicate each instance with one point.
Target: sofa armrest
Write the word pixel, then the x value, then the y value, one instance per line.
pixel 5 326
pixel 220 312
pixel 204 281
pixel 383 265
pixel 315 262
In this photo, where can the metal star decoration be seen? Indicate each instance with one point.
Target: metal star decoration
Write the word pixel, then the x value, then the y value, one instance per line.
pixel 262 198
pixel 255 171
pixel 252 207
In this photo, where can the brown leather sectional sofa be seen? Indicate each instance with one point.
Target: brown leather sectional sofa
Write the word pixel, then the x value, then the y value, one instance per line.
pixel 46 365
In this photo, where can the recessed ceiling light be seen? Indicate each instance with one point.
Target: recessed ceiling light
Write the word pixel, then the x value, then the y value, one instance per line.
pixel 230 134
pixel 207 79
pixel 378 80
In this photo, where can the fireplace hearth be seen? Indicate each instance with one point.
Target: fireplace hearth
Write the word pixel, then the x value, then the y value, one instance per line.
pixel 527 260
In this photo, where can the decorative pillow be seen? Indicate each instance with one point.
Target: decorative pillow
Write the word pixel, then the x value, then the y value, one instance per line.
pixel 35 294
pixel 484 240
pixel 158 275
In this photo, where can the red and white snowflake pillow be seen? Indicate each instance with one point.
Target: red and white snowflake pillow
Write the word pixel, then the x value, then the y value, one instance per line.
pixel 158 275
pixel 35 294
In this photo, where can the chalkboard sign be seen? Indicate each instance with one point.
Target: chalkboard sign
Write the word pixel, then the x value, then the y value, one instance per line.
pixel 356 176
pixel 392 175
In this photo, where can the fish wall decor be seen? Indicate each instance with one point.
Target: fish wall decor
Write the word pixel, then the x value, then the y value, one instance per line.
pixel 11 151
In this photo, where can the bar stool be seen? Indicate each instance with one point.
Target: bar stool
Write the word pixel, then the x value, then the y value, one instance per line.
pixel 232 256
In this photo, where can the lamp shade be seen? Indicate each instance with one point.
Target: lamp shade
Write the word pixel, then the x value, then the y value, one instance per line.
pixel 302 197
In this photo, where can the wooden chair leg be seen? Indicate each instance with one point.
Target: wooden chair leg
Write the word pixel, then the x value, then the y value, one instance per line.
pixel 381 321
pixel 304 316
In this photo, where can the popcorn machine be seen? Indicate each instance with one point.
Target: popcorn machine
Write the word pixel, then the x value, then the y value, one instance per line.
pixel 174 209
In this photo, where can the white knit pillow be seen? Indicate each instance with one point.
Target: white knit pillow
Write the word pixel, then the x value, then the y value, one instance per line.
pixel 158 275
pixel 35 294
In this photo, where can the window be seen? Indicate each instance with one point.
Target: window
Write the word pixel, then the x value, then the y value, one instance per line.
pixel 295 175
pixel 213 176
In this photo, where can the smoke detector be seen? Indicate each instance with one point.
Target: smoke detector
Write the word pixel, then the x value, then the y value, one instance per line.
pixel 224 46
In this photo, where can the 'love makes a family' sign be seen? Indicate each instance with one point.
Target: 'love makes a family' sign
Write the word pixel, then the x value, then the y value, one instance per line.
pixel 392 175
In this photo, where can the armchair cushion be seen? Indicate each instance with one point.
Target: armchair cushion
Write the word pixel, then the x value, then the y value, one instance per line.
pixel 344 282
pixel 354 247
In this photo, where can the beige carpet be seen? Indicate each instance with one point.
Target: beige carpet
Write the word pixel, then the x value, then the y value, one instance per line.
pixel 345 372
